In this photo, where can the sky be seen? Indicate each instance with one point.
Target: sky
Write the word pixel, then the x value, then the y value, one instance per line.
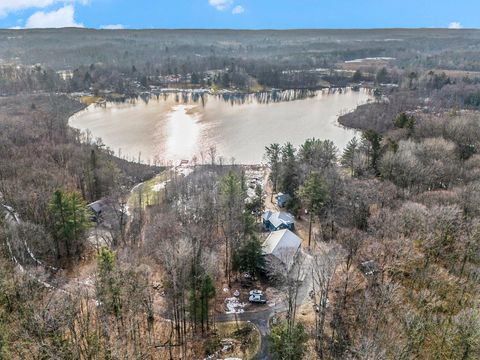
pixel 240 14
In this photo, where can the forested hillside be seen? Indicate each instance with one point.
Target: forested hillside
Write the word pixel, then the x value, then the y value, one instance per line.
pixel 102 258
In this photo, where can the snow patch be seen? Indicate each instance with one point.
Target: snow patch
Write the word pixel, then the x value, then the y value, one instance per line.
pixel 159 187
pixel 234 306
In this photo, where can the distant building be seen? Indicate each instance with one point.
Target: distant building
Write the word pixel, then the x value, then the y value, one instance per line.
pixel 65 74
pixel 273 221
pixel 281 248
pixel 282 199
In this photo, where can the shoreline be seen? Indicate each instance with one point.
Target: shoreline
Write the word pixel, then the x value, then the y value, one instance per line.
pixel 130 156
pixel 227 94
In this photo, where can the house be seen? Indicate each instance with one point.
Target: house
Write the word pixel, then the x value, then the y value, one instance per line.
pixel 273 221
pixel 281 248
pixel 282 199
pixel 97 209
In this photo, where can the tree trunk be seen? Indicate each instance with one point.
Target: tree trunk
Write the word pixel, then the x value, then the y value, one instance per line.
pixel 310 230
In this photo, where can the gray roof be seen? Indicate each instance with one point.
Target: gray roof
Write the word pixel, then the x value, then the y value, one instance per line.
pixel 278 218
pixel 283 244
pixel 97 206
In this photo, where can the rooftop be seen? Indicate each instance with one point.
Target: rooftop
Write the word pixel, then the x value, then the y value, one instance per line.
pixel 281 243
pixel 278 218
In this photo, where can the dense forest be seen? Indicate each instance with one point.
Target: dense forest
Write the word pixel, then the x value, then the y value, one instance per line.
pixel 102 258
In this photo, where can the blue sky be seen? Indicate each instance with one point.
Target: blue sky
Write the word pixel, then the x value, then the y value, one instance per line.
pixel 240 14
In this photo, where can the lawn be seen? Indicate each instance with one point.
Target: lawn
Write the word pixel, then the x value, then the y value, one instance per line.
pixel 89 99
pixel 150 192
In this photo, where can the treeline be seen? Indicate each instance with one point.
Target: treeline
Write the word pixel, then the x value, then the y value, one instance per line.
pixel 115 82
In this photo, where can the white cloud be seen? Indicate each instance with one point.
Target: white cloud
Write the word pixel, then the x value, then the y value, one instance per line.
pixel 220 4
pixel 239 9
pixel 112 27
pixel 8 6
pixel 455 25
pixel 63 17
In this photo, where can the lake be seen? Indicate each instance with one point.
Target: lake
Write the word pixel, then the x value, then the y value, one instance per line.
pixel 173 127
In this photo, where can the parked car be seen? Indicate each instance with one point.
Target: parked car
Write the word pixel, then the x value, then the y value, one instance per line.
pixel 255 292
pixel 257 298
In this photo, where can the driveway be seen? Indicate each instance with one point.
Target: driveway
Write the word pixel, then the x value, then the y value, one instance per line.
pixel 261 319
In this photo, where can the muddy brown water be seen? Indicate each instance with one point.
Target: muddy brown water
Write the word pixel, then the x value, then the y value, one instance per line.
pixel 168 129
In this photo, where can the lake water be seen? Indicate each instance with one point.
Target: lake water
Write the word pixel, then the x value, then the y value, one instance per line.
pixel 172 128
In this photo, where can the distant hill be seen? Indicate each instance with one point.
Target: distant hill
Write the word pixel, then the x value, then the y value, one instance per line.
pixel 69 48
